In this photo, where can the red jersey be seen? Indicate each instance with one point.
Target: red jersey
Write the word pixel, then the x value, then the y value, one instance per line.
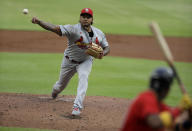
pixel 145 104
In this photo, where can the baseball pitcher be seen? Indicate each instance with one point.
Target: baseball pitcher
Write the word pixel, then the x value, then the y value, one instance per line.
pixel 85 42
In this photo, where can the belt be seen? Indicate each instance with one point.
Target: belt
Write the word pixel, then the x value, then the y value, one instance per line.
pixel 73 61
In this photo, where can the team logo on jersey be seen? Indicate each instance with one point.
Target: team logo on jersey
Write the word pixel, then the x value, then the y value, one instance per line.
pixel 80 43
pixel 97 41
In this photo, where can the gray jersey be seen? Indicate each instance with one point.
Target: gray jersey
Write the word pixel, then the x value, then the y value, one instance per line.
pixel 78 39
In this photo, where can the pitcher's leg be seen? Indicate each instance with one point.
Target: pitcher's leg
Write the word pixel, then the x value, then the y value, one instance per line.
pixel 66 73
pixel 83 70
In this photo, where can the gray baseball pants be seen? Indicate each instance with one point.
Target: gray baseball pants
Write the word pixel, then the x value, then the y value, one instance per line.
pixel 68 69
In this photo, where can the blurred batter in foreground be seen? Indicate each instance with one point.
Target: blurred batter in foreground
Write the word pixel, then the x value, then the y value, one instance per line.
pixel 149 113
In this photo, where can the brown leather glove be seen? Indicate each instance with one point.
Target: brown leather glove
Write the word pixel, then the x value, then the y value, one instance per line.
pixel 95 50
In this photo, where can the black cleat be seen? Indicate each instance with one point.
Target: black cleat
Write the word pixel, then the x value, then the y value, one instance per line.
pixel 54 95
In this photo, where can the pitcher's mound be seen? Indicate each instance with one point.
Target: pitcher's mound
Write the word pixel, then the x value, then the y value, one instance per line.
pixel 41 111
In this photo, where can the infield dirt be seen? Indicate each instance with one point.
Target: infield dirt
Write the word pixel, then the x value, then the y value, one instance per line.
pixel 121 45
pixel 100 113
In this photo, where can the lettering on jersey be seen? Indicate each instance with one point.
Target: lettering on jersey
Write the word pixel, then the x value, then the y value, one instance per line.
pixel 80 43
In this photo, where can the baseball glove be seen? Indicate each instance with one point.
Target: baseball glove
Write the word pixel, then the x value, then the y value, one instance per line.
pixel 95 50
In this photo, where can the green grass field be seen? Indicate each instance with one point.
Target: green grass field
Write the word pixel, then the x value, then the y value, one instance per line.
pixel 114 76
pixel 112 16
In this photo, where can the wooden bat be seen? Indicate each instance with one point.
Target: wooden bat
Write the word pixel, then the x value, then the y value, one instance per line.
pixel 166 51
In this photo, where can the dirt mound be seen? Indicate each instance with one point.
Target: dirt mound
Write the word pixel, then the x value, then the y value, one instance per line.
pixel 40 111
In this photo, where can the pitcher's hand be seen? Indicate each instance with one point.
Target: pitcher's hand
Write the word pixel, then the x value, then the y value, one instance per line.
pixel 35 20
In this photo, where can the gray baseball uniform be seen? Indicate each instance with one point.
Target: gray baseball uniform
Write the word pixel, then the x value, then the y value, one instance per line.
pixel 76 60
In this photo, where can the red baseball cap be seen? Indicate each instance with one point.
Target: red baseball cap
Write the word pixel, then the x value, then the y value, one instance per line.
pixel 87 11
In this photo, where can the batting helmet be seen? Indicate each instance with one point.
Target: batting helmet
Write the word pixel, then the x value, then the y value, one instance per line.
pixel 161 79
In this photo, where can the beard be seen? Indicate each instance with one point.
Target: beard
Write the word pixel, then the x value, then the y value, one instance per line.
pixel 86 25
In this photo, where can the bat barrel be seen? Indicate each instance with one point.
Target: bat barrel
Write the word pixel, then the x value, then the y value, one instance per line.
pixel 166 51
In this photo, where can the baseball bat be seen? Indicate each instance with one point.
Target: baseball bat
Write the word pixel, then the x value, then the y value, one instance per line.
pixel 166 51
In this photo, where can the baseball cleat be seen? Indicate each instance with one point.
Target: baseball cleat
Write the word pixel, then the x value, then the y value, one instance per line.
pixel 54 95
pixel 76 111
